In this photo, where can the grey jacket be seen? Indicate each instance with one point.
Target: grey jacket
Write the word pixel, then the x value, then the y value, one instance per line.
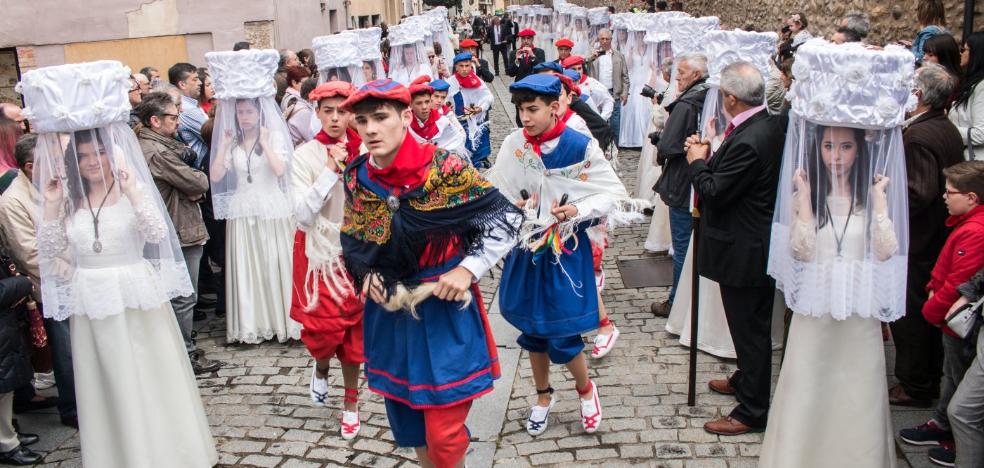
pixel 620 72
pixel 181 186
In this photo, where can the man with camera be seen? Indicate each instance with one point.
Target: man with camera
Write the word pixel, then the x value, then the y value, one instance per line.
pixel 608 66
pixel 523 59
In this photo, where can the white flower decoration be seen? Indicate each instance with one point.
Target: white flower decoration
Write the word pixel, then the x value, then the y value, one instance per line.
pixel 887 109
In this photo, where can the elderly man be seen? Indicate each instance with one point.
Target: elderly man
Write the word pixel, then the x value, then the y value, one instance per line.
pixel 184 76
pixel 143 82
pixel 673 185
pixel 736 195
pixel 13 112
pixel 18 208
pixel 152 74
pixel 608 66
pixel 182 187
pixel 288 58
pixel 931 143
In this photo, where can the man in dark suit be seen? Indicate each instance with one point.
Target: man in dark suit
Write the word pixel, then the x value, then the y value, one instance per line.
pixel 736 195
pixel 522 61
pixel 498 37
pixel 513 28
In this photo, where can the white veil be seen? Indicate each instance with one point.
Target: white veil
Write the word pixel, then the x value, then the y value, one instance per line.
pixel 408 57
pixel 105 240
pixel 251 146
pixel 338 59
pixel 839 247
pixel 598 19
pixel 367 43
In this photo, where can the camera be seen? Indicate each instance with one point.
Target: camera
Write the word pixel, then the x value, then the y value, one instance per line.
pixel 659 98
pixel 648 91
pixel 654 137
pixel 600 52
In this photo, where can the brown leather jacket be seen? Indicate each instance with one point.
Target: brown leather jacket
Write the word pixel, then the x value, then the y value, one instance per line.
pixel 182 187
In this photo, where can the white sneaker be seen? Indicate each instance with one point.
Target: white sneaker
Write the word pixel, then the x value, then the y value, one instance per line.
pixel 536 424
pixel 319 387
pixel 603 343
pixel 350 424
pixel 591 411
pixel 44 380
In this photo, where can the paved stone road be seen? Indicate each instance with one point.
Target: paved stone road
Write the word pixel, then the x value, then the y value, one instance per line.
pixel 260 413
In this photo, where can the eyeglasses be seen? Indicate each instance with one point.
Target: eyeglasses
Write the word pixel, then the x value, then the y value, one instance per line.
pixel 169 115
pixel 953 192
pixel 135 90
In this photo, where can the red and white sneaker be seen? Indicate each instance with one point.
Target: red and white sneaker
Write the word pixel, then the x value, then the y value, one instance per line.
pixel 591 410
pixel 350 424
pixel 603 343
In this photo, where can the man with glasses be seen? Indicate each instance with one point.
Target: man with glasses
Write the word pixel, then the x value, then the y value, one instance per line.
pixel 135 96
pixel 182 187
pixel 607 65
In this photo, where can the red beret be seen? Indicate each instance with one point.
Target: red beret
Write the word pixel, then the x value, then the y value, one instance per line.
pixel 386 89
pixel 572 60
pixel 565 42
pixel 467 43
pixel 331 89
pixel 569 83
pixel 421 85
pixel 527 33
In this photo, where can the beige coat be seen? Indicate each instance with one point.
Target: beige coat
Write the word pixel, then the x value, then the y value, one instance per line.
pixel 18 206
pixel 182 187
pixel 620 74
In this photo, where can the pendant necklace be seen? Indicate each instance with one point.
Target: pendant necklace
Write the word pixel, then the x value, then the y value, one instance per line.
pixel 839 240
pixel 96 245
pixel 249 157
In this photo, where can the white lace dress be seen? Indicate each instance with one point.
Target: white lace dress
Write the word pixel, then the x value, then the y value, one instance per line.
pixel 830 408
pixel 635 113
pixel 658 238
pixel 138 401
pixel 259 256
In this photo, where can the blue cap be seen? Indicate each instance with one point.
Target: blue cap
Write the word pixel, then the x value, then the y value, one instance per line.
pixel 440 85
pixel 462 57
pixel 552 66
pixel 542 83
pixel 573 75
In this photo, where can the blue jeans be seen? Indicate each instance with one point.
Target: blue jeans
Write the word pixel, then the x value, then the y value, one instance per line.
pixel 681 226
pixel 616 117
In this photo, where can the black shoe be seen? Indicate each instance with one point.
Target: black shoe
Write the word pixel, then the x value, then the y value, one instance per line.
pixel 199 315
pixel 70 421
pixel 34 405
pixel 943 456
pixel 219 312
pixel 647 211
pixel 20 456
pixel 27 439
pixel 201 364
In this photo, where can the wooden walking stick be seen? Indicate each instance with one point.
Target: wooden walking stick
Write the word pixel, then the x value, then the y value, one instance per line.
pixel 694 306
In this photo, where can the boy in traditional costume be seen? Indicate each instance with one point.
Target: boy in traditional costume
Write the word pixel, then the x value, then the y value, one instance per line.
pixel 439 99
pixel 325 301
pixel 430 126
pixel 472 101
pixel 564 184
pixel 422 226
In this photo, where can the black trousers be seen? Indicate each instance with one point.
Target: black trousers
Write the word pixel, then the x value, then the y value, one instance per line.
pixel 215 251
pixel 749 314
pixel 497 51
pixel 918 345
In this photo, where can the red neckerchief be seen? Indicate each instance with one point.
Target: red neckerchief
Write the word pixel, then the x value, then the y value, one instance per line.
pixel 470 81
pixel 544 137
pixel 584 77
pixel 427 130
pixel 352 143
pixel 409 167
pixel 445 109
pixel 567 115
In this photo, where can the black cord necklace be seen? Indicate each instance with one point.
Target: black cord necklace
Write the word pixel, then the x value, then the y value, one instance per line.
pixel 840 239
pixel 249 159
pixel 96 245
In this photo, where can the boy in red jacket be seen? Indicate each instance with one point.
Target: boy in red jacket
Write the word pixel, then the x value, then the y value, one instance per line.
pixel 961 257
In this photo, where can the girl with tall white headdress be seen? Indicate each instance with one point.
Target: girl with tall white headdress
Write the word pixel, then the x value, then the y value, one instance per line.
pixel 250 172
pixel 110 262
pixel 338 59
pixel 407 57
pixel 722 49
pixel 838 251
pixel 635 113
pixel 579 31
pixel 367 43
pixel 598 18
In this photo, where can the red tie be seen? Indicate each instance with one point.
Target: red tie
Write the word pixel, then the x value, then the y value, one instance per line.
pixel 727 130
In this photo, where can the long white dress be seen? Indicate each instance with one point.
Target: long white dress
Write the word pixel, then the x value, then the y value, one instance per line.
pixel 258 256
pixel 138 402
pixel 635 114
pixel 830 409
pixel 658 239
pixel 713 334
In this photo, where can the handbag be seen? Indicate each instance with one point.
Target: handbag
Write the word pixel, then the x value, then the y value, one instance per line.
pixel 966 319
pixel 39 337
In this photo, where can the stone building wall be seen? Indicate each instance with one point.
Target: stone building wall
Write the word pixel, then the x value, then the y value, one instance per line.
pixel 891 20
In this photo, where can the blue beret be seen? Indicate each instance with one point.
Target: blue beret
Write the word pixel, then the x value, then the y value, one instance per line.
pixel 573 75
pixel 440 85
pixel 462 57
pixel 542 83
pixel 552 66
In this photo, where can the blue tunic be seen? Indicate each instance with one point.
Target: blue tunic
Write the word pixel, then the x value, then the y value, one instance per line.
pixel 535 295
pixel 440 360
pixel 481 151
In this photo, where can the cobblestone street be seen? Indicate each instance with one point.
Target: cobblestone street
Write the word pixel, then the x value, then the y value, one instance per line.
pixel 261 415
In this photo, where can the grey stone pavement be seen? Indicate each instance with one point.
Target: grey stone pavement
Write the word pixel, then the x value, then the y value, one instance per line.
pixel 261 415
